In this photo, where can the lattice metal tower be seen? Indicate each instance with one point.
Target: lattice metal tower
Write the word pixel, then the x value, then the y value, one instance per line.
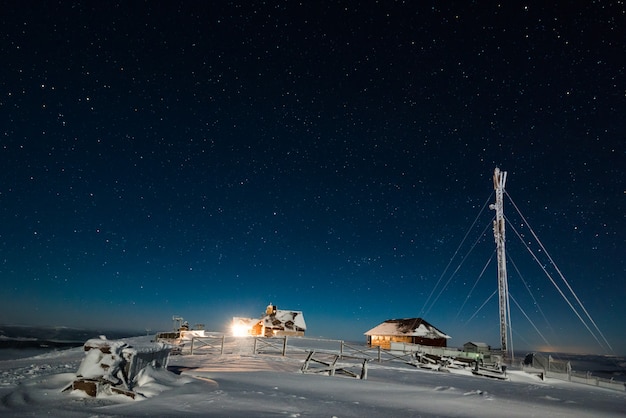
pixel 499 180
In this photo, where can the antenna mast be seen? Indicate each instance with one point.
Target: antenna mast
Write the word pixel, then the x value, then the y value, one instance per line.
pixel 499 180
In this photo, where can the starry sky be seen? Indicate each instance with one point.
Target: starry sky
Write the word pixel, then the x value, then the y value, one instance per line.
pixel 204 159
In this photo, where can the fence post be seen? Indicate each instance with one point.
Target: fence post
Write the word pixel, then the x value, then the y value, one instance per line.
pixel 285 346
pixel 364 369
pixel 550 362
pixel 379 354
pixel 254 347
pixel 222 349
pixel 192 341
pixel 341 349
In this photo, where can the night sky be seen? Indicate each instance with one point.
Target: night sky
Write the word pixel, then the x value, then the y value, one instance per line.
pixel 204 159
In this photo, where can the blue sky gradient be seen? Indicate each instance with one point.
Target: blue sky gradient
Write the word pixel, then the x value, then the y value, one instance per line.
pixel 206 159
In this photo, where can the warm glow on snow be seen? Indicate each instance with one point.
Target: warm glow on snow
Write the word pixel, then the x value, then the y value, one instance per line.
pixel 240 330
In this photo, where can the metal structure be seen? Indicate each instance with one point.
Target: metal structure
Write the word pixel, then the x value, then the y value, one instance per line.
pixel 178 322
pixel 499 180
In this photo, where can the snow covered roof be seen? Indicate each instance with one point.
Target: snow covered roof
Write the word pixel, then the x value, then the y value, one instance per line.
pixel 407 327
pixel 477 344
pixel 285 319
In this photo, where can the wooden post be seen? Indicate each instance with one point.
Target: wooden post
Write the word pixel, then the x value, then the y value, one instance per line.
pixel 254 348
pixel 305 366
pixel 364 369
pixel 569 372
pixel 379 354
pixel 192 341
pixel 550 362
pixel 222 349
pixel 341 348
pixel 332 366
pixel 285 346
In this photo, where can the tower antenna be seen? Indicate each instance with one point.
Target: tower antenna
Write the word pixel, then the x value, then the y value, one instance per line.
pixel 499 180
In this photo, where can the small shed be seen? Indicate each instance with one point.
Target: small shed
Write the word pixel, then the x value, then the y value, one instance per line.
pixel 407 330
pixel 476 347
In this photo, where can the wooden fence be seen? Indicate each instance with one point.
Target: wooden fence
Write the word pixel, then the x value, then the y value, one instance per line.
pixel 330 365
pixel 548 367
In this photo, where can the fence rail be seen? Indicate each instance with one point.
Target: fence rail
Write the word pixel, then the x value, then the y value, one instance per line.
pixel 328 364
pixel 562 370
pixel 270 346
pixel 213 345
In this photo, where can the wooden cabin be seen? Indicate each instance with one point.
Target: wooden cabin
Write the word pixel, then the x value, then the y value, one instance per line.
pixel 407 330
pixel 275 323
pixel 282 322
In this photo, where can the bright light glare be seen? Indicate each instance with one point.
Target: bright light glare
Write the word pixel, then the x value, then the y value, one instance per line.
pixel 240 330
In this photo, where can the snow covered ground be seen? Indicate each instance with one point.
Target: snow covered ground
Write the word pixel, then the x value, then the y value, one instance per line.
pixel 246 385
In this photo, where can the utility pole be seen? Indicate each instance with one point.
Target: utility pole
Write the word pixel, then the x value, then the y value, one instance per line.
pixel 499 180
